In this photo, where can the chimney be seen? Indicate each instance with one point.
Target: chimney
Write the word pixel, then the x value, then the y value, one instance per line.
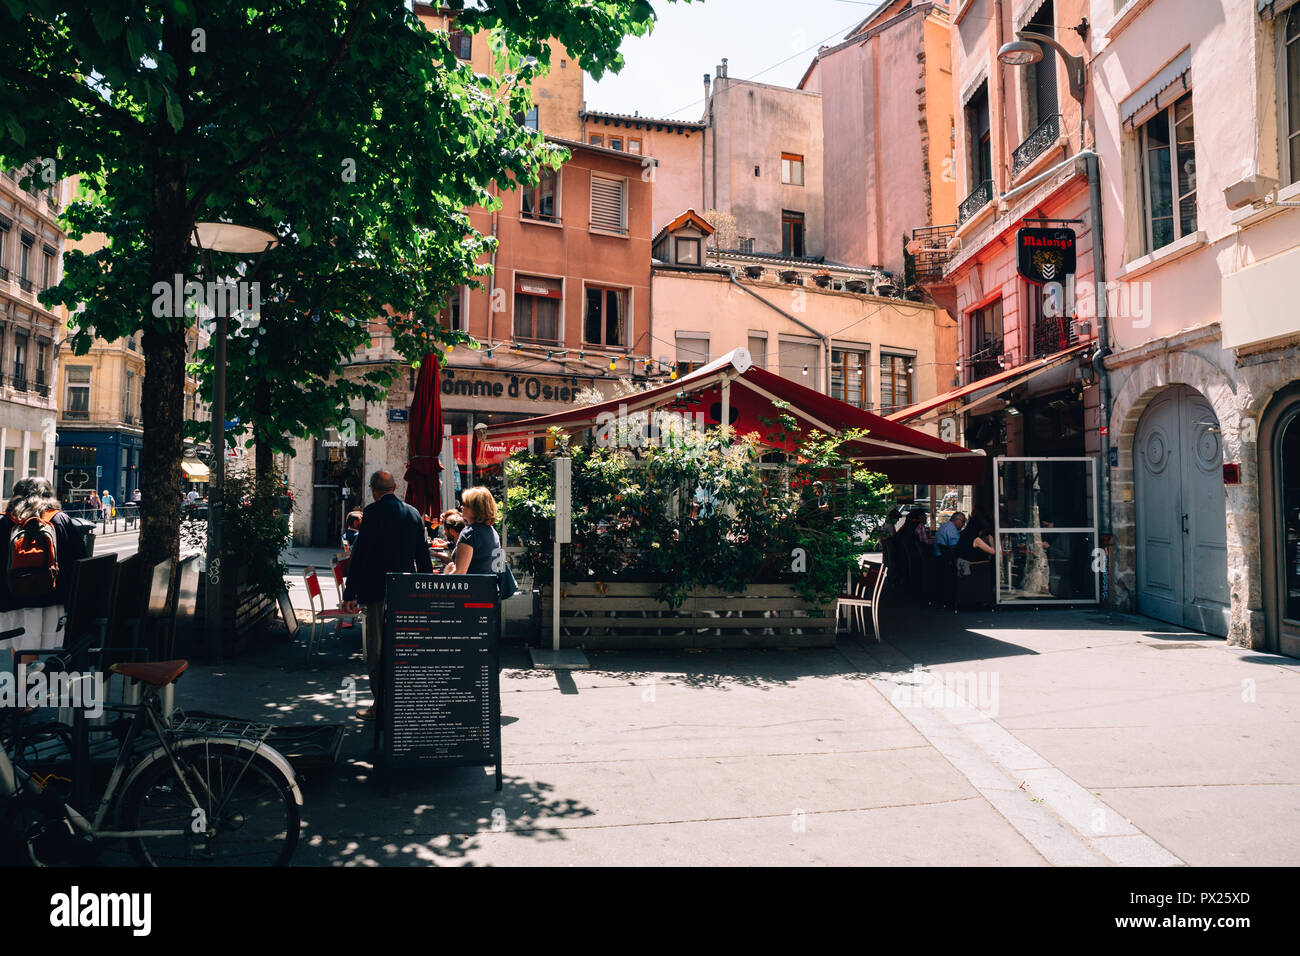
pixel 706 86
pixel 724 66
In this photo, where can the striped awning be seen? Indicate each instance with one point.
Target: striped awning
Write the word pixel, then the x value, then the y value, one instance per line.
pixel 194 470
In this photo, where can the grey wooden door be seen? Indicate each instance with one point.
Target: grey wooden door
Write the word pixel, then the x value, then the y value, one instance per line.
pixel 1182 557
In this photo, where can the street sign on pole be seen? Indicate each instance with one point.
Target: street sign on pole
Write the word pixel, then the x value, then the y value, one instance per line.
pixel 563 500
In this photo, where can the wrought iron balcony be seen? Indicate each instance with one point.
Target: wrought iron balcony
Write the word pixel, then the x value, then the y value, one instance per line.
pixel 26 284
pixel 19 382
pixel 984 361
pixel 4 273
pixel 1052 335
pixel 933 253
pixel 1036 143
pixel 977 200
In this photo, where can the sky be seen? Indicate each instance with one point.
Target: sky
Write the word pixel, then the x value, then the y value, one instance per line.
pixel 771 41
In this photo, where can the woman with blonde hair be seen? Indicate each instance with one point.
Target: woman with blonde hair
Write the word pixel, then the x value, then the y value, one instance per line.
pixel 478 545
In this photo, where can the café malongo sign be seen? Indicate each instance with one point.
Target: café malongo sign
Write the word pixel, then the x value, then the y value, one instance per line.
pixel 1045 255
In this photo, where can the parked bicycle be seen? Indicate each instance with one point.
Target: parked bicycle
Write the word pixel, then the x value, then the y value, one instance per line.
pixel 201 791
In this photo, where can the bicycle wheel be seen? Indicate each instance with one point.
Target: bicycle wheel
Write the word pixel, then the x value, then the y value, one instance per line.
pixel 246 813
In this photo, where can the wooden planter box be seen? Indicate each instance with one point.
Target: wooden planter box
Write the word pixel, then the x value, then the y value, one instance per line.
pixel 627 615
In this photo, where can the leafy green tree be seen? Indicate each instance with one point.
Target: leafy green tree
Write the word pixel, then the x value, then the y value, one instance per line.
pixel 260 111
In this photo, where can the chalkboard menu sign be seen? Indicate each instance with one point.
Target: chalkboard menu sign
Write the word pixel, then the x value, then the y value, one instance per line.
pixel 442 692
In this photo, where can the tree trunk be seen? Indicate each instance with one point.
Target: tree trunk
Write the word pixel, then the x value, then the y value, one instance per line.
pixel 163 390
pixel 162 393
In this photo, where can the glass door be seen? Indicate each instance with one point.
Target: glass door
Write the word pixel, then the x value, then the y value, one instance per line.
pixel 1045 529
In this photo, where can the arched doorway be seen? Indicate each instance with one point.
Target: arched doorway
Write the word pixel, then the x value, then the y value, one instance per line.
pixel 1181 520
pixel 1279 520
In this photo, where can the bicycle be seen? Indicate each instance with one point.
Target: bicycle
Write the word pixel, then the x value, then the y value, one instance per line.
pixel 210 791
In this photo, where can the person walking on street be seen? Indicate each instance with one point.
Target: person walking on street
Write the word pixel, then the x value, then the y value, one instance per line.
pixel 110 505
pixel 391 539
pixel 94 504
pixel 41 547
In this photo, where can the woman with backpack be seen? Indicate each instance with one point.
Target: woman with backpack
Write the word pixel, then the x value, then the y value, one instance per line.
pixel 40 546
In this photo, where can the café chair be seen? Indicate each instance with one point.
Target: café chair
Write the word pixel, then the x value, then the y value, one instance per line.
pixel 321 615
pixel 862 595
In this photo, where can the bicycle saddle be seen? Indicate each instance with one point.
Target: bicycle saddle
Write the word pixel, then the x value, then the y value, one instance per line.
pixel 157 673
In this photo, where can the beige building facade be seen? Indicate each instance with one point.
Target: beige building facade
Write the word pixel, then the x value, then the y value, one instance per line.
pixel 31 253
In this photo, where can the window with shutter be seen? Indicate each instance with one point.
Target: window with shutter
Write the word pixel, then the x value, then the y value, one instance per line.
pixel 608 205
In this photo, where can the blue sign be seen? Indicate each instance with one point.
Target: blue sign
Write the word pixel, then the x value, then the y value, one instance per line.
pixel 399 414
pixel 1114 457
pixel 232 423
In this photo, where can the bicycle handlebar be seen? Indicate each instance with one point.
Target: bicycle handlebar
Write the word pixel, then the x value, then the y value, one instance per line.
pixel 59 662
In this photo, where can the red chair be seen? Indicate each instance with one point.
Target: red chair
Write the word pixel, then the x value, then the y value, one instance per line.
pixel 321 615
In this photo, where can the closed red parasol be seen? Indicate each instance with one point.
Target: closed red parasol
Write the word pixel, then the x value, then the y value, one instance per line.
pixel 425 440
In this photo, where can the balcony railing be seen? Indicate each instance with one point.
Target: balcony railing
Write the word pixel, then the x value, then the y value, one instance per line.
pixel 984 361
pixel 1052 335
pixel 1036 143
pixel 977 200
pixel 4 273
pixel 26 284
pixel 933 255
pixel 76 415
pixel 19 382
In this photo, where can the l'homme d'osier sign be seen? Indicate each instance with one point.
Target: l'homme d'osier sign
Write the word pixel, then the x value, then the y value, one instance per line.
pixel 531 387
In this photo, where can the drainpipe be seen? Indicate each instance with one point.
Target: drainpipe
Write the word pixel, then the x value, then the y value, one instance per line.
pixel 1103 340
pixel 826 339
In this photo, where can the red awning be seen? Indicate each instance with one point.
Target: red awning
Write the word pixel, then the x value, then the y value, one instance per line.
pixel 902 454
pixel 1001 381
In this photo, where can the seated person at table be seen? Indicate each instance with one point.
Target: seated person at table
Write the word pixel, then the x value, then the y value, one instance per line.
pixel 949 533
pixel 916 520
pixel 453 524
pixel 352 529
pixel 976 541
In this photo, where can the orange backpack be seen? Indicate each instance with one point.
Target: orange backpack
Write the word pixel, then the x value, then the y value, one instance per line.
pixel 32 565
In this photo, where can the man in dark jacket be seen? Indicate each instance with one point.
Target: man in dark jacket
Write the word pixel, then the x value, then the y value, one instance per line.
pixel 392 539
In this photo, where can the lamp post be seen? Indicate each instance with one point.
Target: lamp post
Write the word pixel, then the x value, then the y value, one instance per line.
pixel 239 240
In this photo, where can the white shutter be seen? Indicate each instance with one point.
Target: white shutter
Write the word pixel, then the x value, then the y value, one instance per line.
pixel 608 207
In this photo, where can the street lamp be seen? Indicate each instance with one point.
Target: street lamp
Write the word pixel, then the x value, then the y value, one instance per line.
pixel 225 237
pixel 1024 50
